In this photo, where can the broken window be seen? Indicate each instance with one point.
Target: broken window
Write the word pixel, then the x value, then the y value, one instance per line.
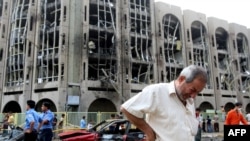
pixel 200 48
pixel 16 50
pixel 142 73
pixel 101 45
pixel 243 49
pixel 245 83
pixel 47 57
pixel 227 81
pixel 141 49
pixel 172 46
pixel 230 65
pixel 62 72
pixel 1 8
pixel 223 81
pixel 243 52
pixel 5 7
pixel 1 54
pixel 224 62
pixel 172 73
pixel 222 48
pixel 140 23
pixel 221 39
pixel 140 43
pixel 3 30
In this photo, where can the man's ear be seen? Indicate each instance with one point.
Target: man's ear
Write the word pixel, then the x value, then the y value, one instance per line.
pixel 181 78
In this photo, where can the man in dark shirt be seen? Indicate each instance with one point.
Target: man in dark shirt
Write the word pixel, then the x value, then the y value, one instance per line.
pixel 209 125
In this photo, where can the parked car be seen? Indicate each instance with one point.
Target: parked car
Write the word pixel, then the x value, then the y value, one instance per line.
pixel 108 130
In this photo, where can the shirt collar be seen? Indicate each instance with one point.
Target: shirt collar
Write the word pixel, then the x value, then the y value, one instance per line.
pixel 47 111
pixel 171 88
pixel 173 92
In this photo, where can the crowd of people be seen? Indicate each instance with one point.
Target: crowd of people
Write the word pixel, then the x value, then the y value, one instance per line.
pixel 208 124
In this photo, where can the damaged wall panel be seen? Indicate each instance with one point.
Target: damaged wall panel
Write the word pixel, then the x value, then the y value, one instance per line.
pixel 48 51
pixel 102 49
pixel 240 55
pixel 170 41
pixel 17 47
pixel 1 8
pixel 140 45
pixel 197 42
pixel 172 46
pixel 199 53
pixel 224 62
pixel 220 58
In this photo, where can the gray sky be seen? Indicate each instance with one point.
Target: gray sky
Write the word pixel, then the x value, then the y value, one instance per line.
pixel 233 11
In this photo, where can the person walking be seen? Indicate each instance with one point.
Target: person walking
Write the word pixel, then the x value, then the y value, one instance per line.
pixel 83 123
pixel 90 124
pixel 168 107
pixel 209 125
pixel 46 121
pixel 61 122
pixel 223 114
pixel 204 125
pixel 234 116
pixel 31 122
pixel 216 122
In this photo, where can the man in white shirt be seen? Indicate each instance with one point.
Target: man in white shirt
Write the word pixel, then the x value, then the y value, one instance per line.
pixel 168 107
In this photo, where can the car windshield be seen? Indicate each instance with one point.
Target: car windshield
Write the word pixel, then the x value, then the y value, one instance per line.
pixel 106 124
pixel 103 125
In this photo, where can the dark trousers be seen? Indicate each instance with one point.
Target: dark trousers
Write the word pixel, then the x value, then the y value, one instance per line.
pixel 45 135
pixel 54 131
pixel 198 135
pixel 30 136
pixel 216 127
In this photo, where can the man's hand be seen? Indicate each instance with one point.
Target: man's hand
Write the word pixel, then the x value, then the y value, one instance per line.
pixel 141 124
pixel 150 135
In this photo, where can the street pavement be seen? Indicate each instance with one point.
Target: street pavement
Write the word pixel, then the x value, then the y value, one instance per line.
pixel 215 136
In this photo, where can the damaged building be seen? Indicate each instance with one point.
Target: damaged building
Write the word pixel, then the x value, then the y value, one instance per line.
pixel 92 55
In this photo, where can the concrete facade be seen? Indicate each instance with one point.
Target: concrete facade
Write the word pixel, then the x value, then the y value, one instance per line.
pixel 92 55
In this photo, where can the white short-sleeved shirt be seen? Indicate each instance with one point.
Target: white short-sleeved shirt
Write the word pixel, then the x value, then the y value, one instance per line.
pixel 165 113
